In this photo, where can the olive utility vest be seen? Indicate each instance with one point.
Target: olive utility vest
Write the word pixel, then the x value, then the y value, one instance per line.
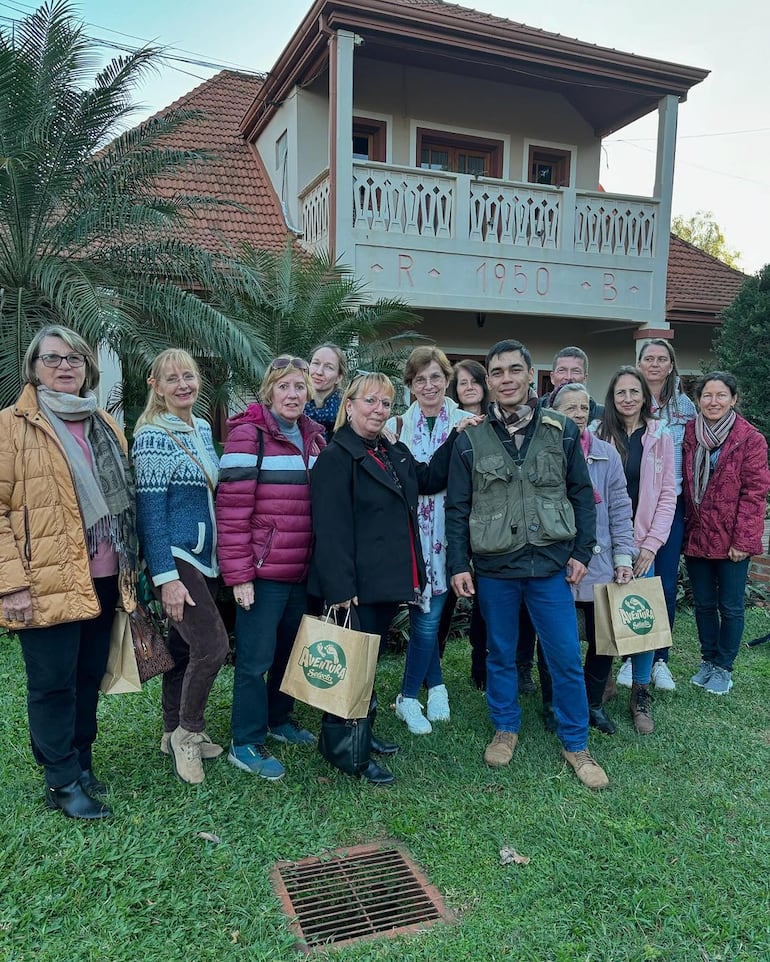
pixel 516 504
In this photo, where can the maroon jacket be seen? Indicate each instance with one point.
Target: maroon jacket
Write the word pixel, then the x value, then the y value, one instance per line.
pixel 732 513
pixel 264 526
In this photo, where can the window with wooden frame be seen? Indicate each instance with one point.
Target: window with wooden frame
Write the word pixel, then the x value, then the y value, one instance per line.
pixel 459 153
pixel 549 166
pixel 369 139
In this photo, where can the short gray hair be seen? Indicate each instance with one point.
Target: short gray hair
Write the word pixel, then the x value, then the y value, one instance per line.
pixel 70 338
pixel 572 388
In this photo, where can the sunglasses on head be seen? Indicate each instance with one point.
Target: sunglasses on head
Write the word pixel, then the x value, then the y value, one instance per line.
pixel 283 362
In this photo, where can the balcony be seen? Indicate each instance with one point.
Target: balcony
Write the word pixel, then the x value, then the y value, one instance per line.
pixel 527 247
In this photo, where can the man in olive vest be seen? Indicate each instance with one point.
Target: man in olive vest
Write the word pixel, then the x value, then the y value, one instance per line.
pixel 520 507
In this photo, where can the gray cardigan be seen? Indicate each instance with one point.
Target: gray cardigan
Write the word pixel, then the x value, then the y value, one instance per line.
pixel 614 527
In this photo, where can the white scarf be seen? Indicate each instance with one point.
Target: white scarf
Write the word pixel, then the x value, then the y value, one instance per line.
pixel 430 507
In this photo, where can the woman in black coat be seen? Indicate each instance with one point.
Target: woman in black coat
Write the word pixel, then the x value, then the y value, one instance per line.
pixel 367 553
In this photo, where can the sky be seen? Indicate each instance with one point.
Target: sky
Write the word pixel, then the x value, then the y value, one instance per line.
pixel 723 138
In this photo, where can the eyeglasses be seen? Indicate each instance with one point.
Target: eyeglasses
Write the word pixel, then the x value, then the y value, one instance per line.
pixel 54 360
pixel 280 363
pixel 421 380
pixel 372 402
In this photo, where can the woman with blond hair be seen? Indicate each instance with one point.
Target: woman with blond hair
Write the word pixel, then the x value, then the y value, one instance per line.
pixel 367 552
pixel 265 539
pixel 67 553
pixel 176 475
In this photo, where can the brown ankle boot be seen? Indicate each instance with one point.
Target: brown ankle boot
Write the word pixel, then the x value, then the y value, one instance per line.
pixel 641 712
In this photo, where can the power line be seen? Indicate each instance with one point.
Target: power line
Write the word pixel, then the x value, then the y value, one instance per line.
pixel 195 59
pixel 721 133
pixel 689 163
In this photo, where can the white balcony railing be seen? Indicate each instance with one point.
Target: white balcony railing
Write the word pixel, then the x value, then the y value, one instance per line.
pixel 315 212
pixel 405 201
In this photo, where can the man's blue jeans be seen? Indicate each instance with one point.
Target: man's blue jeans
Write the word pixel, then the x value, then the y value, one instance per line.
pixel 718 587
pixel 264 636
pixel 422 656
pixel 552 609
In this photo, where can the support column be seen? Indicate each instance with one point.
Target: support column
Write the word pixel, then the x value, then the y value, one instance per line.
pixel 664 190
pixel 341 46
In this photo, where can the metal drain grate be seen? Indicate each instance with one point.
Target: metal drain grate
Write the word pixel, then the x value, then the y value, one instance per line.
pixel 355 894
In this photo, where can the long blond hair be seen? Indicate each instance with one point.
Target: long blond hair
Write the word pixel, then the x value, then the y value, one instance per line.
pixel 155 403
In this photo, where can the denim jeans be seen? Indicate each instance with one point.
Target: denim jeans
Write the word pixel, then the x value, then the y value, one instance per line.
pixel 423 662
pixel 552 610
pixel 65 664
pixel 718 587
pixel 667 566
pixel 642 662
pixel 264 636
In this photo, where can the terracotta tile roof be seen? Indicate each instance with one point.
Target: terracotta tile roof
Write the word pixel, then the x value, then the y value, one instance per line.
pixel 236 174
pixel 699 286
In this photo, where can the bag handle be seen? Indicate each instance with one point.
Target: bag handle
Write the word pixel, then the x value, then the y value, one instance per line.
pixel 331 615
pixel 192 457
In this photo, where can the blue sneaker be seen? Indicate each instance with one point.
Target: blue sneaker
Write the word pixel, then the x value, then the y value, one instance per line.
pixel 702 675
pixel 257 760
pixel 720 681
pixel 291 734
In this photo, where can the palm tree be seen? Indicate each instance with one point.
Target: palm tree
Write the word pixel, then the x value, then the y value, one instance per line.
pixel 88 236
pixel 306 299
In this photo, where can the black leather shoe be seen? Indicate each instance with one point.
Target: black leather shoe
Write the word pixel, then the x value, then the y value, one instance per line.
pixel 600 720
pixel 376 775
pixel 91 784
pixel 549 719
pixel 527 685
pixel 75 802
pixel 384 748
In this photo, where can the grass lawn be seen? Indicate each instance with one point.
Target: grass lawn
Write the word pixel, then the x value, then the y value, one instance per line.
pixel 671 863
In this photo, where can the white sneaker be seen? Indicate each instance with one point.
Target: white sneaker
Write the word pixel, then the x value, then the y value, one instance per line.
pixel 662 677
pixel 409 710
pixel 625 676
pixel 438 704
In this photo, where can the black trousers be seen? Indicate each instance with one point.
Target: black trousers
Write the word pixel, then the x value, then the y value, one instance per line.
pixel 65 664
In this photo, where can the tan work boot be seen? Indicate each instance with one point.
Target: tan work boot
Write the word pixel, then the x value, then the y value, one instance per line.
pixel 586 769
pixel 640 708
pixel 186 755
pixel 208 748
pixel 500 750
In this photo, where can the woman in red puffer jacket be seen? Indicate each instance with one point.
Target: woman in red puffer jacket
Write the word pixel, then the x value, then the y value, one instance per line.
pixel 725 481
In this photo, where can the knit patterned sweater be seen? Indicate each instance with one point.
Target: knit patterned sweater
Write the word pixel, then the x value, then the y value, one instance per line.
pixel 174 504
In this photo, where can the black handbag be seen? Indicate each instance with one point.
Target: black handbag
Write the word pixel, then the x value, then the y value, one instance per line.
pixel 346 743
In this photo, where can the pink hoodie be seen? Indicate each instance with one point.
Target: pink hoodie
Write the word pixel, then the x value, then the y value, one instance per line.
pixel 657 488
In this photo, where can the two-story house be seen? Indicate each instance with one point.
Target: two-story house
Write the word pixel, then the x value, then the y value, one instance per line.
pixel 452 158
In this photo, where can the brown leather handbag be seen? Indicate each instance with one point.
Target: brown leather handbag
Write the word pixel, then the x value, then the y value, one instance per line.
pixel 152 654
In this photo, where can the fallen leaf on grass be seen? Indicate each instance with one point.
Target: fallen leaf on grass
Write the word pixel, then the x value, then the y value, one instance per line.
pixel 210 837
pixel 235 935
pixel 509 856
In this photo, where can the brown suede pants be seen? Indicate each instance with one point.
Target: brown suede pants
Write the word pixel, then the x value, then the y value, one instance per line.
pixel 199 646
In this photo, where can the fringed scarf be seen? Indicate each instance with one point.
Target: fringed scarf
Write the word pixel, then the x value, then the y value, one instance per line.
pixel 105 493
pixel 709 438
